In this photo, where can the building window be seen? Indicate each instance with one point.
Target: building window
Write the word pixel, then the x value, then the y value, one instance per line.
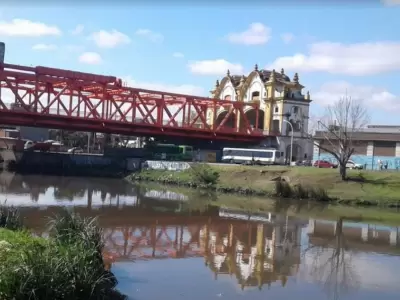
pixel 297 126
pixel 228 97
pixel 276 109
pixel 255 96
pixel 295 109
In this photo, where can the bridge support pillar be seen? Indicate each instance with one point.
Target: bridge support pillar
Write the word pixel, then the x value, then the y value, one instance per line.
pixel 311 226
pixel 364 233
pixel 394 237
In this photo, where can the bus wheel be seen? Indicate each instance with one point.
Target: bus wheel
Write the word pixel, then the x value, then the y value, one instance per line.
pixel 231 161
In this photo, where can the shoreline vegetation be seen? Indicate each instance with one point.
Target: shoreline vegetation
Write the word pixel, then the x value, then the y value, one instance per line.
pixel 362 188
pixel 67 265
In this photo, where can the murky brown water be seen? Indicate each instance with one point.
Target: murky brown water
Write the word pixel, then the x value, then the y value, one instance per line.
pixel 163 248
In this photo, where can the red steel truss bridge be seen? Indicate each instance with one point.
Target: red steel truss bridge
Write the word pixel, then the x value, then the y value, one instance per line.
pixel 63 99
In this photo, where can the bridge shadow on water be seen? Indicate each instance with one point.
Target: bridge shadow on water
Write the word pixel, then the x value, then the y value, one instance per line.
pixel 154 236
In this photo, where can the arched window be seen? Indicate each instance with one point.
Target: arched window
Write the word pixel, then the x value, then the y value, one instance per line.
pixel 228 97
pixel 255 96
pixel 297 126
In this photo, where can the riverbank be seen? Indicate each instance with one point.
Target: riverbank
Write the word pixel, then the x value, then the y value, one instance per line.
pixel 365 188
pixel 67 265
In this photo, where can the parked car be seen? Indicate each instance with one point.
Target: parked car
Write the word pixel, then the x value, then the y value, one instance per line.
pixel 75 150
pixel 37 146
pixel 352 165
pixel 304 163
pixel 324 164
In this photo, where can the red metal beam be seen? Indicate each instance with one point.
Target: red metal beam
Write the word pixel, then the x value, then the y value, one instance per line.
pixel 55 98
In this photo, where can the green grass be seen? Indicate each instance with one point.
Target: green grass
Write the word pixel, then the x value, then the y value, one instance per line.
pixel 68 265
pixel 362 188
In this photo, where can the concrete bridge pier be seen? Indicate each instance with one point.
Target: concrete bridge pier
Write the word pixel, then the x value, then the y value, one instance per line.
pixel 394 236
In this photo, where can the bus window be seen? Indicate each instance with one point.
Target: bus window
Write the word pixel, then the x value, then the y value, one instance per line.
pixel 188 149
pixel 277 154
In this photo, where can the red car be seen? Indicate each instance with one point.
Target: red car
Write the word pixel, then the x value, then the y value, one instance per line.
pixel 324 164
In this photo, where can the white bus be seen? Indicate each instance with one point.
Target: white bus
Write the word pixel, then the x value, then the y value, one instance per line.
pixel 253 156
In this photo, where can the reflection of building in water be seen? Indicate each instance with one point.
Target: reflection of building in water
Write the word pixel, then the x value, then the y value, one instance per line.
pixel 256 254
pixel 335 256
pixel 358 236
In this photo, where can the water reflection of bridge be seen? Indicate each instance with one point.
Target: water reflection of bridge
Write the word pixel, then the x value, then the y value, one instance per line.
pixel 256 253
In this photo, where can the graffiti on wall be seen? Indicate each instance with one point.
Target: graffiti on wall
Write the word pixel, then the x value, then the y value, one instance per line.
pixel 371 162
pixel 166 195
pixel 167 165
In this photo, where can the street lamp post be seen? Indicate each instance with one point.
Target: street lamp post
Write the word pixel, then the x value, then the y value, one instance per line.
pixel 291 141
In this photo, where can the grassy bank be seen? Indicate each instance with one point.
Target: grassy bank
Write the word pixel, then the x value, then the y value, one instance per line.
pixel 67 265
pixel 369 188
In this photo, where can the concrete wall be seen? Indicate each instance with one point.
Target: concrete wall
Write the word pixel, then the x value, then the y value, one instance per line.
pixel 76 165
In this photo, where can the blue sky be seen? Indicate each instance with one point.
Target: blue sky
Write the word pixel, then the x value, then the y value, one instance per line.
pixel 185 49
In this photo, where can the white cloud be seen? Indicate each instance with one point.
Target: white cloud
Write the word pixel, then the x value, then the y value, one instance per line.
pixel 110 39
pixel 150 35
pixel 187 89
pixel 178 55
pixel 287 37
pixel 256 34
pixel 91 58
pixel 44 47
pixel 373 97
pixel 351 59
pixel 216 67
pixel 27 28
pixel 390 2
pixel 78 29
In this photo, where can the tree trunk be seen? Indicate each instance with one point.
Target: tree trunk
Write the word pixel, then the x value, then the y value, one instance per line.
pixel 342 170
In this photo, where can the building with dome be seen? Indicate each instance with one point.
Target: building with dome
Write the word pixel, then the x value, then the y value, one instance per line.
pixel 283 107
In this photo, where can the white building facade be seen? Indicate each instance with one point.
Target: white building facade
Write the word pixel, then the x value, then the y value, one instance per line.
pixel 284 110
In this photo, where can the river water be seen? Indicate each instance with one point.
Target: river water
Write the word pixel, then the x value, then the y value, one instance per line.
pixel 165 245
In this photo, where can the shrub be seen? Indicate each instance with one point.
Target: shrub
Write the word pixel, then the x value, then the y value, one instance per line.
pixel 319 194
pixel 301 192
pixel 203 174
pixel 10 218
pixel 68 265
pixel 284 190
pixel 70 228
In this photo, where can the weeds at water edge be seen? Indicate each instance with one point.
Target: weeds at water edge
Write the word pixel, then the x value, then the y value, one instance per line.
pixel 9 217
pixel 68 265
pixel 284 190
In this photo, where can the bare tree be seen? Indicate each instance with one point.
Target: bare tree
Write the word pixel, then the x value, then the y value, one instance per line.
pixel 332 264
pixel 338 129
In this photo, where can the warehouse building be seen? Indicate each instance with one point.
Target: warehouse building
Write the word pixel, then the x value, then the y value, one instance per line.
pixel 372 144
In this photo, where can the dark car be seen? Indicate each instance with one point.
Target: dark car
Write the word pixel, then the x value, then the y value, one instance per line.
pixel 324 164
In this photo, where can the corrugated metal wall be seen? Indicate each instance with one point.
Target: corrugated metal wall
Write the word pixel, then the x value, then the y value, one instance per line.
pixel 360 147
